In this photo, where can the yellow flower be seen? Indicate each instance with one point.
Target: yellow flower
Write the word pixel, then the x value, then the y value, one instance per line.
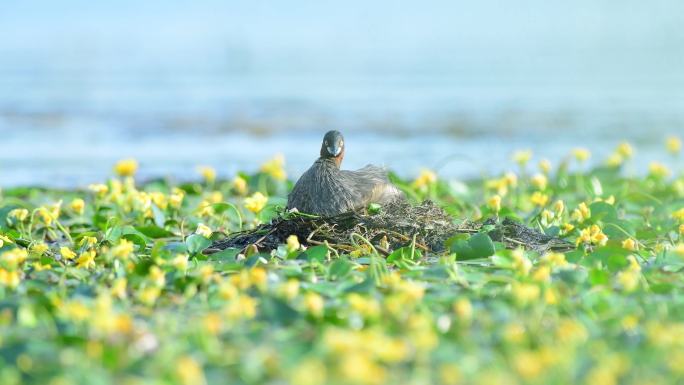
pixel 141 201
pixel 208 173
pixel 9 279
pixel 4 239
pixel 40 267
pixel 361 369
pixel 215 197
pixel 189 371
pixel 629 244
pixel 212 323
pixel 514 333
pixel 99 189
pixel 180 262
pixel 86 260
pixel 673 144
pixel 203 230
pixel 274 167
pixel 542 274
pixel 528 365
pixel 499 185
pixel 149 295
pixel 126 167
pixel 539 199
pixel 545 166
pixel 581 154
pixel 628 279
pixel 38 248
pixel 314 304
pixel 176 198
pixel 240 185
pixel 78 205
pixel 123 250
pixel 156 276
pixel 242 307
pixel 18 214
pixel 463 309
pixel 520 262
pixel 425 178
pixel 593 236
pixel 521 157
pixel 625 150
pixel 679 215
pixel 119 288
pixel 256 202
pixel 289 289
pixel 450 374
pixel 366 307
pixel 67 253
pixel 633 263
pixel 75 311
pixel 567 228
pixel 679 249
pixel 547 217
pixel 581 213
pixel 46 216
pixel 629 322
pixel 494 203
pixel 615 160
pixel 658 170
pixel 559 208
pixel 292 243
pixel 511 179
pixel 571 331
pixel 13 258
pixel 681 229
pixel 159 199
pixel 310 371
pixel 539 181
pixel 525 293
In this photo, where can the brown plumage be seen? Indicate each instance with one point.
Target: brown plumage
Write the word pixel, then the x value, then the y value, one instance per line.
pixel 326 190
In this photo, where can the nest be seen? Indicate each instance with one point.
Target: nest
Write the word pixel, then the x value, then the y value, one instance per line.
pixel 395 226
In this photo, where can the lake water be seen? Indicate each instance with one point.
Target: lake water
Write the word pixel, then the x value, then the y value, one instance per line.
pixel 439 84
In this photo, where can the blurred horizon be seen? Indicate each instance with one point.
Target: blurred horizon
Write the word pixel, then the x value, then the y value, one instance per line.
pixel 411 84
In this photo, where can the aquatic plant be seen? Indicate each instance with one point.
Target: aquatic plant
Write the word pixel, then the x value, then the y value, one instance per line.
pixel 110 284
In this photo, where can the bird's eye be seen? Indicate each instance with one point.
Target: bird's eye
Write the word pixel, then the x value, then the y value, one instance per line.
pixel 325 142
pixel 341 143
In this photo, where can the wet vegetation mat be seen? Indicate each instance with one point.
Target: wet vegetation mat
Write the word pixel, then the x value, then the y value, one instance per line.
pixel 551 273
pixel 426 227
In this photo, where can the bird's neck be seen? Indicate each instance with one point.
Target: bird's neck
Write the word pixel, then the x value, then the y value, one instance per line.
pixel 336 161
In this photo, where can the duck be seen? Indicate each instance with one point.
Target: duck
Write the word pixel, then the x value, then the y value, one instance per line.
pixel 327 190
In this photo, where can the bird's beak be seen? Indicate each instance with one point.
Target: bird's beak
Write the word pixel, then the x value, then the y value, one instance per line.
pixel 335 150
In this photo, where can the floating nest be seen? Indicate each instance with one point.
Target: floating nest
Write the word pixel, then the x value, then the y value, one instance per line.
pixel 395 226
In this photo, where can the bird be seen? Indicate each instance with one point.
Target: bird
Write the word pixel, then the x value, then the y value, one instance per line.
pixel 326 190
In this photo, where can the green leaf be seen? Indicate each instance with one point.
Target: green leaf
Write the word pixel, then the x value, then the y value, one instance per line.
pixel 602 211
pixel 339 269
pixel 227 254
pixel 278 311
pixel 403 254
pixel 477 246
pixel 136 239
pixel 153 231
pixel 196 243
pixel 614 257
pixel 374 208
pixel 599 277
pixel 316 253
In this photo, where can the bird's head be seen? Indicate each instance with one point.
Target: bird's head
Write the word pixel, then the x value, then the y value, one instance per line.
pixel 333 146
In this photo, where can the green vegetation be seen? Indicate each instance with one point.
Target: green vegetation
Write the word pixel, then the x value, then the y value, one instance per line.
pixel 109 285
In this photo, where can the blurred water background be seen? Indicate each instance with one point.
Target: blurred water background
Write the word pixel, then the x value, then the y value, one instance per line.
pixel 451 85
